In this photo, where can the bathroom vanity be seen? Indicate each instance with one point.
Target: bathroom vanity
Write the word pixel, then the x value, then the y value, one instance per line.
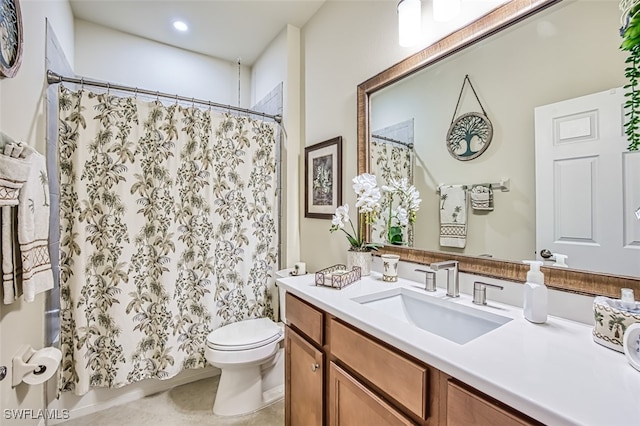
pixel 361 356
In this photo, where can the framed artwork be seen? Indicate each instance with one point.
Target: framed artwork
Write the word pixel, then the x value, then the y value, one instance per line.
pixel 11 39
pixel 323 178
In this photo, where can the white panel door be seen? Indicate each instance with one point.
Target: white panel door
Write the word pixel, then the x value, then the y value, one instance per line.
pixel 588 184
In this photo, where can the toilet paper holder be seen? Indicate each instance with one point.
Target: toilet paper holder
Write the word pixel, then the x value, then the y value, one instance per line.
pixel 22 367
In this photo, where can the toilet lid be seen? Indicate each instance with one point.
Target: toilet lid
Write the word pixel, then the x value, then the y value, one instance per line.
pixel 246 334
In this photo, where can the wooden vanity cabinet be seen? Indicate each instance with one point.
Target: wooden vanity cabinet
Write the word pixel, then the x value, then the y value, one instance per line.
pixel 397 377
pixel 304 364
pixel 466 406
pixel 338 375
pixel 352 403
pixel 304 371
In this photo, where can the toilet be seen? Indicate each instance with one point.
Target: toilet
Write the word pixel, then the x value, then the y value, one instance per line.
pixel 250 356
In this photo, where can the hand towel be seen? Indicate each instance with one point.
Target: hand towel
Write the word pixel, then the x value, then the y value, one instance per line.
pixel 33 228
pixel 14 172
pixel 481 197
pixel 453 216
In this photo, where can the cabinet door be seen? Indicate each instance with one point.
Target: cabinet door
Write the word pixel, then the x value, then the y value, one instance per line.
pixel 465 407
pixel 401 379
pixel 303 381
pixel 351 403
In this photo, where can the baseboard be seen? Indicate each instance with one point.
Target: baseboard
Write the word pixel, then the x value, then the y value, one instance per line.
pixel 100 399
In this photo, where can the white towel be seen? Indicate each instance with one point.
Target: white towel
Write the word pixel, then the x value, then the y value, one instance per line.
pixel 453 216
pixel 33 229
pixel 481 197
pixel 14 172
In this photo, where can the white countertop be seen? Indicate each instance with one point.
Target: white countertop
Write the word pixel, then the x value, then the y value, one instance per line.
pixel 553 372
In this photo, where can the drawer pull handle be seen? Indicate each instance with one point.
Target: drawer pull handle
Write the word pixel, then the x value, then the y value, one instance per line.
pixel 314 367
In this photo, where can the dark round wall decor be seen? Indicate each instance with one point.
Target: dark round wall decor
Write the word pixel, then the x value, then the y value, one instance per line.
pixel 469 136
pixel 10 37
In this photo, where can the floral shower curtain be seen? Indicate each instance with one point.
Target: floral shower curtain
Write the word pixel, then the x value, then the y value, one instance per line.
pixel 168 231
pixel 389 161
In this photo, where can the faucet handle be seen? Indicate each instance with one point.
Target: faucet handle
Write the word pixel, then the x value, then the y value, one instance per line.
pixel 480 292
pixel 429 279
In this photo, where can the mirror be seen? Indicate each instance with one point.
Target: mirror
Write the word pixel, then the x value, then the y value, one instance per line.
pixel 504 56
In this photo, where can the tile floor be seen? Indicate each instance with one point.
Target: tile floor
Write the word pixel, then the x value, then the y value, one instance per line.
pixel 189 404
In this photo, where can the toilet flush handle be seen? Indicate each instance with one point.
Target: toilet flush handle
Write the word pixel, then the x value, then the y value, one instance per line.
pixel 314 367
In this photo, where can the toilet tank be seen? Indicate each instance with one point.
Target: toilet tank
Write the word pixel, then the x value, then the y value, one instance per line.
pixel 283 273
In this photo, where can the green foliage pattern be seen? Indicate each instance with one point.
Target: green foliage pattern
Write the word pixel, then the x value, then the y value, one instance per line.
pixel 631 44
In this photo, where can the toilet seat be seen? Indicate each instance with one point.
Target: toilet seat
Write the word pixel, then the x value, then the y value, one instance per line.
pixel 244 335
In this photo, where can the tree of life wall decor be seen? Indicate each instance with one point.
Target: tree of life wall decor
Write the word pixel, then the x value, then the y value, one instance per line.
pixel 323 178
pixel 470 134
pixel 10 37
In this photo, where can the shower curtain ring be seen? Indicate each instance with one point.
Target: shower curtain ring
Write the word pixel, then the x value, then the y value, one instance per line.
pixel 176 99
pixel 157 96
pixel 81 83
pixel 193 102
pixel 108 89
pixel 135 93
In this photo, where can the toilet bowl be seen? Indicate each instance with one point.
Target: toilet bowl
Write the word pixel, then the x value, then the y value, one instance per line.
pixel 251 360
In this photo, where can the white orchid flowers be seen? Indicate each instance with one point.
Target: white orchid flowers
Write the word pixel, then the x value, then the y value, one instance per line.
pixel 405 212
pixel 367 205
pixel 402 215
pixel 341 217
pixel 368 193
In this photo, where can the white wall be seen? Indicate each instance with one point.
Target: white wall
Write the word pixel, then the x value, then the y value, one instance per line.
pixel 22 116
pixel 344 44
pixel 109 55
pixel 270 69
pixel 281 62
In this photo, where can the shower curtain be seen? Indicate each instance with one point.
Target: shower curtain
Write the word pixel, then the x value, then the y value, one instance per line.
pixel 168 231
pixel 389 160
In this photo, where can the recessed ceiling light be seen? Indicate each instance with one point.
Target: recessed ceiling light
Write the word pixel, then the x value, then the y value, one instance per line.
pixel 180 26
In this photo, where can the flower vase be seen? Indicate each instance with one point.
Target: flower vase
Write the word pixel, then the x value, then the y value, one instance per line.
pixel 361 259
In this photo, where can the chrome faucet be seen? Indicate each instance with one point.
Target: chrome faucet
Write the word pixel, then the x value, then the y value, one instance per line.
pixel 453 282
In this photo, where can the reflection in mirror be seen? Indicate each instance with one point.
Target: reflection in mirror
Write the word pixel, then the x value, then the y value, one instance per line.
pixel 393 157
pixel 568 50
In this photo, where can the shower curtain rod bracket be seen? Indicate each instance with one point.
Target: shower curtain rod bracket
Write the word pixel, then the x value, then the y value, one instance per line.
pixel 53 78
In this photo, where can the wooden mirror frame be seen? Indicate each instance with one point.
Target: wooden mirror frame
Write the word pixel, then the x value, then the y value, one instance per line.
pixel 571 280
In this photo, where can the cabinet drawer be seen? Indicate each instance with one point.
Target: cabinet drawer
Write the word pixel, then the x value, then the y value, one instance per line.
pixel 351 403
pixel 400 378
pixel 465 407
pixel 305 318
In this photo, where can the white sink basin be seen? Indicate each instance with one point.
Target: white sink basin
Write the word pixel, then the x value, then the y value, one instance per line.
pixel 452 321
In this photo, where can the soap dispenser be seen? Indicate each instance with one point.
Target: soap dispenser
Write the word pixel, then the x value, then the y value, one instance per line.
pixel 535 294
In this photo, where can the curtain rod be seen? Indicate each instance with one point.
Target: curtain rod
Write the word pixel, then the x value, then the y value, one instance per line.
pixel 54 78
pixel 388 139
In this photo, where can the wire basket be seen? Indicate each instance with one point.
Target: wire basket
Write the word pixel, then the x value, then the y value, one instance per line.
pixel 337 276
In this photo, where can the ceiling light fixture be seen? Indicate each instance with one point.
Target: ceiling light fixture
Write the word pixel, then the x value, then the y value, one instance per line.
pixel 445 10
pixel 180 26
pixel 409 22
